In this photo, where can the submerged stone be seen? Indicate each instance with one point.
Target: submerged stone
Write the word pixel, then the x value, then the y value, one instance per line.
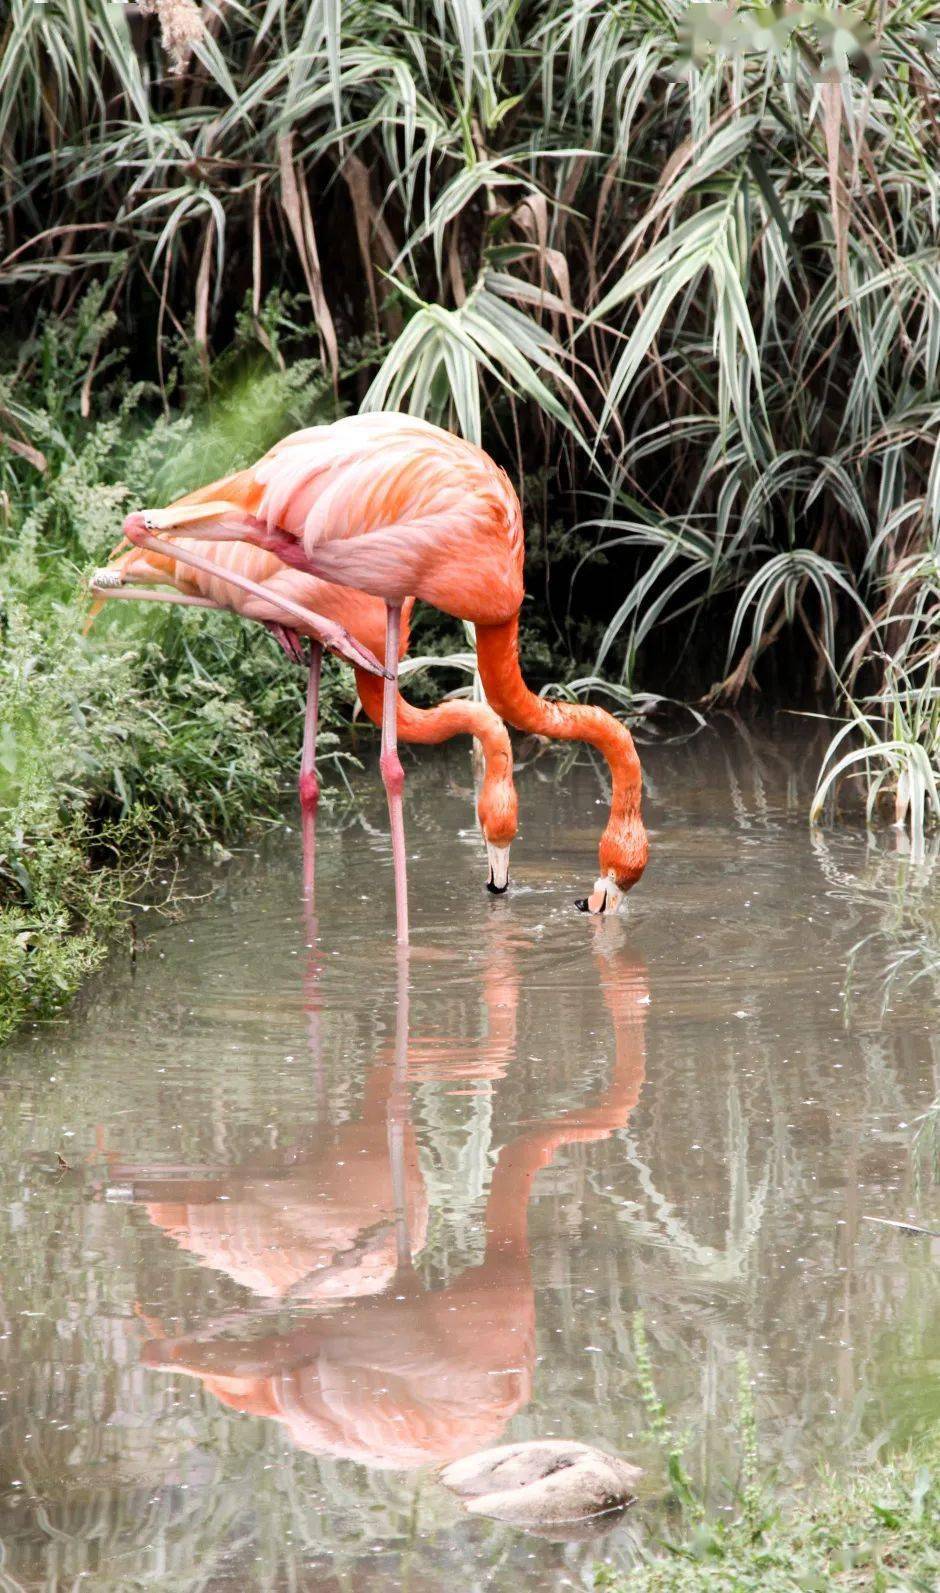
pixel 543 1484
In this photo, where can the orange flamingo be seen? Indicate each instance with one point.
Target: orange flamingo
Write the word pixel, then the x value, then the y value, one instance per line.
pixel 413 1376
pixel 352 623
pixel 393 506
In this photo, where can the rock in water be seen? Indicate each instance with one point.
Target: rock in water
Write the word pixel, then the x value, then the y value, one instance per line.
pixel 543 1484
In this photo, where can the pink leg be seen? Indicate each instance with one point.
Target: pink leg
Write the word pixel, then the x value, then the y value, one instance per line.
pixel 309 785
pixel 396 1121
pixel 393 774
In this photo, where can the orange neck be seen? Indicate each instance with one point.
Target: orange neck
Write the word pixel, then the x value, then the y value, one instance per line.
pixel 623 846
pixel 497 806
pixel 507 1209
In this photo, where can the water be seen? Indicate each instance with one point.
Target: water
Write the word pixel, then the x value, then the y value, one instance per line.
pixel 324 1225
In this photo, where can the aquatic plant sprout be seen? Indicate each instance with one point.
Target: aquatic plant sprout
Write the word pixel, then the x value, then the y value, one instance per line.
pixel 899 730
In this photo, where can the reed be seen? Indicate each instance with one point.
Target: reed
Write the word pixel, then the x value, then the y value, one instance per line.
pixel 676 265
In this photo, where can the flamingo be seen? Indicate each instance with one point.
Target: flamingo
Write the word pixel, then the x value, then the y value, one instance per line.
pixel 350 622
pixel 393 506
pixel 409 1375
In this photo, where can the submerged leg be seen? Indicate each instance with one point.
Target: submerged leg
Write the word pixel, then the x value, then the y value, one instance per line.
pixel 308 784
pixel 396 1120
pixel 393 775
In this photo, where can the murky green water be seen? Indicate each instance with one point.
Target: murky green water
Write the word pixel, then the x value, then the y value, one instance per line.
pixel 325 1225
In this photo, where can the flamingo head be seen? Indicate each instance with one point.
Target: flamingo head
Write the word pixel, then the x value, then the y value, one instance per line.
pixel 497 811
pixel 623 857
pixel 498 862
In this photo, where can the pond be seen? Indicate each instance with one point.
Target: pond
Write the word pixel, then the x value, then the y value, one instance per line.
pixel 323 1220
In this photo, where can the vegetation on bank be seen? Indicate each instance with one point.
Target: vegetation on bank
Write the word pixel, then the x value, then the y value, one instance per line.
pixel 875 1529
pixel 158 726
pixel 680 262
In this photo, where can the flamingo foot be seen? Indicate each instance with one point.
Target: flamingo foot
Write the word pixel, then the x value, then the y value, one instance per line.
pixel 288 640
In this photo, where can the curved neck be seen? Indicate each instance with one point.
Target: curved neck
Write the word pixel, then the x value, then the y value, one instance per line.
pixel 456 717
pixel 428 726
pixel 626 993
pixel 508 694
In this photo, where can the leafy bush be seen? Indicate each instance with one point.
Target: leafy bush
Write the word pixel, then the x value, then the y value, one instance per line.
pixel 156 727
pixel 676 266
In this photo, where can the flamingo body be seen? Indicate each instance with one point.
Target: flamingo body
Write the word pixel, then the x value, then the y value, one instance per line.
pixel 360 614
pixel 395 507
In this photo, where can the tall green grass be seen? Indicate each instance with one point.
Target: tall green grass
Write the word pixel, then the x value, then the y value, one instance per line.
pixel 676 265
pixel 876 1529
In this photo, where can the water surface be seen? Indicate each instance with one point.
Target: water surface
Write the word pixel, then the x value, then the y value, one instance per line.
pixel 327 1222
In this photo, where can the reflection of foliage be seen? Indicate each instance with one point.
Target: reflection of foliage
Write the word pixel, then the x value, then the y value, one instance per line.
pixel 900 955
pixel 925 1150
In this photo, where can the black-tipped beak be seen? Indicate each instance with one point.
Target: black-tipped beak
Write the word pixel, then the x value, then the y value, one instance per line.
pixel 496 890
pixel 582 903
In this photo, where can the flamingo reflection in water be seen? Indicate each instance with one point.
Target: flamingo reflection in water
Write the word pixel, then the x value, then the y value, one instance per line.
pixel 408 1376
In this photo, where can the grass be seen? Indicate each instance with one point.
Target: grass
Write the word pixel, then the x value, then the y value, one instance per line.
pixel 876 1529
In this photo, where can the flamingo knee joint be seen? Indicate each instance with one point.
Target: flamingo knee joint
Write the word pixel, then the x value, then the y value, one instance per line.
pixel 309 788
pixel 393 775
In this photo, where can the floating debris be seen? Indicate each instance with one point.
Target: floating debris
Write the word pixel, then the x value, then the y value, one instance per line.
pixel 904 1227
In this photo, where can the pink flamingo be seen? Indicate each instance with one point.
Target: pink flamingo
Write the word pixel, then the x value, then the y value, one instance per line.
pixel 350 622
pixel 398 508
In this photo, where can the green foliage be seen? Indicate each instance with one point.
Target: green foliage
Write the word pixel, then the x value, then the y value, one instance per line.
pixel 898 727
pixel 660 1428
pixel 160 726
pixel 874 1530
pixel 676 267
